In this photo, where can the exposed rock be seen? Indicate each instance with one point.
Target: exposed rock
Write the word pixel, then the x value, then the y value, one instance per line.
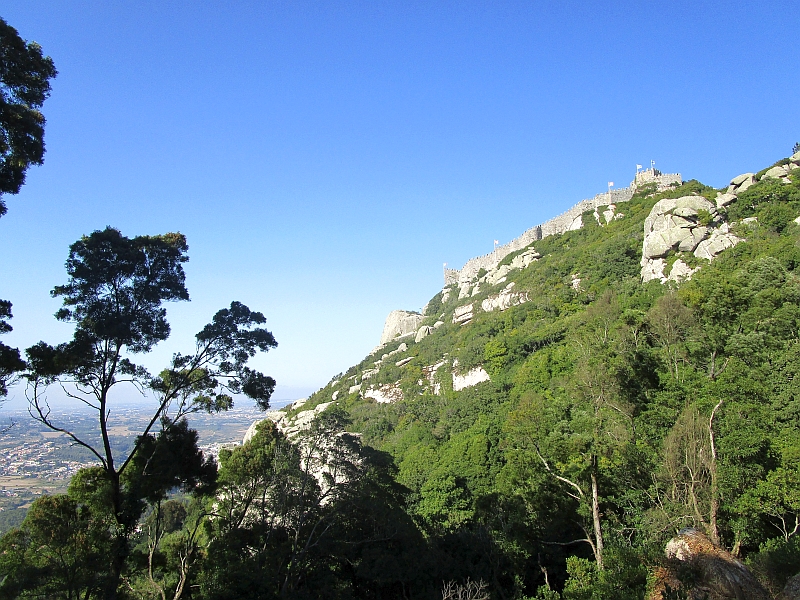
pixel 653 269
pixel 463 314
pixel 289 425
pixel 609 215
pixel 422 333
pixel 504 300
pixel 335 395
pixel 725 199
pixel 495 277
pixel 400 323
pixel 445 295
pixel 795 158
pixel 384 394
pixel 672 226
pixel 463 290
pixel 476 290
pixel 742 182
pixel 576 282
pixel 470 378
pixel 711 247
pixel 354 388
pixel 368 373
pixel 681 271
pixel 403 361
pixel 791 591
pixel 438 324
pixel 778 172
pixel 429 373
pixel 522 261
pixel 716 574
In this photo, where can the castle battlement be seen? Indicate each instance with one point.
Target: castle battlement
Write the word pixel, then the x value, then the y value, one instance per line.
pixel 569 220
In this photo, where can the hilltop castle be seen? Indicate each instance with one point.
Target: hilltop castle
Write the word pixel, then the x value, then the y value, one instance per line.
pixel 566 221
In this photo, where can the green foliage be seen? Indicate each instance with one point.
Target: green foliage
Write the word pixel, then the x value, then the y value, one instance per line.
pixel 704 217
pixel 616 414
pixel 10 361
pixel 25 75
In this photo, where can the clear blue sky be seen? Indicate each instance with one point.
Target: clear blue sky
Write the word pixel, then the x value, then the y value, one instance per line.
pixel 325 159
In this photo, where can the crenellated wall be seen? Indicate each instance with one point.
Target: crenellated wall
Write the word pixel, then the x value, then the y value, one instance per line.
pixel 566 221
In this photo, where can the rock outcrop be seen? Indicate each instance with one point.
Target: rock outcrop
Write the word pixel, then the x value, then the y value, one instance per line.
pixel 569 220
pixel 690 224
pixel 780 172
pixel 741 182
pixel 715 573
pixel 400 323
pixel 289 425
pixel 504 300
pixel 422 333
pixel 384 394
pixel 463 314
pixel 472 377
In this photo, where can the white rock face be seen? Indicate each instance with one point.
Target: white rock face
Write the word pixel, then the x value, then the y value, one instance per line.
pixel 472 377
pixel 422 333
pixel 289 425
pixel 681 271
pixel 725 199
pixel 523 260
pixel 463 314
pixel 369 373
pixel 404 361
pixel 504 300
pixel 384 394
pixel 776 173
pixel 429 373
pixel 741 183
pixel 463 290
pixel 438 324
pixel 672 226
pixel 709 248
pixel 400 323
pixel 494 277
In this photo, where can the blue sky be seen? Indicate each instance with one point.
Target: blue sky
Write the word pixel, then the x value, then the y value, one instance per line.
pixel 325 159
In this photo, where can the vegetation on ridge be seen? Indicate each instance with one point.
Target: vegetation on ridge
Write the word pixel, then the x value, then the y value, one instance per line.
pixel 617 414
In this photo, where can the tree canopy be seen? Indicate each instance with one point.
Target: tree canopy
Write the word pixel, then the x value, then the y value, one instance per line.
pixel 25 75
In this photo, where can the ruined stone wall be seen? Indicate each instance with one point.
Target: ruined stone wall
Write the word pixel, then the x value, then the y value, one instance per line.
pixel 566 221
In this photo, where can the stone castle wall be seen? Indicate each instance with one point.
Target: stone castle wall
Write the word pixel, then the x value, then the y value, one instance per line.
pixel 566 221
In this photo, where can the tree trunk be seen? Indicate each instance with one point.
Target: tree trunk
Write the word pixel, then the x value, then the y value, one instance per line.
pixel 713 532
pixel 598 532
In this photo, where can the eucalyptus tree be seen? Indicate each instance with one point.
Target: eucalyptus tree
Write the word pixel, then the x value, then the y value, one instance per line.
pixel 114 295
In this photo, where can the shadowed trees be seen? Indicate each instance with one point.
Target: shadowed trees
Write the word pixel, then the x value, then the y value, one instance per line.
pixel 114 295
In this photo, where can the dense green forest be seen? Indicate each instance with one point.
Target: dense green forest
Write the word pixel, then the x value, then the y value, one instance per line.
pixel 617 414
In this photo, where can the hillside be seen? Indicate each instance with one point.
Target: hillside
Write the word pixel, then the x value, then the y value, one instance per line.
pixel 559 416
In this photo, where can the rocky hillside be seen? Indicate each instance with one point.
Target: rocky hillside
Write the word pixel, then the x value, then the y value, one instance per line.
pixel 675 233
pixel 557 418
